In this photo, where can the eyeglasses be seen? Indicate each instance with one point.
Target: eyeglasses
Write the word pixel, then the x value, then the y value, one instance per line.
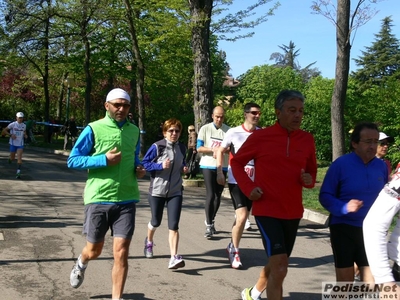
pixel 383 144
pixel 191 130
pixel 119 105
pixel 254 113
pixel 173 130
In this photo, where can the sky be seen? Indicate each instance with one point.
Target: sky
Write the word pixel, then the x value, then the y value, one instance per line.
pixel 313 35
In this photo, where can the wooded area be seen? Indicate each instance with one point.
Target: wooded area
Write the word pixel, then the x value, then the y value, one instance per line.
pixel 60 58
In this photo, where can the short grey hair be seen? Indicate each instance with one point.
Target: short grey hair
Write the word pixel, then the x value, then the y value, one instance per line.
pixel 287 95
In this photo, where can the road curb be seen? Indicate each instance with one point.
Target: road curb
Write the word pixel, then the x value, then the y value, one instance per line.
pixel 315 217
pixel 308 214
pixel 193 183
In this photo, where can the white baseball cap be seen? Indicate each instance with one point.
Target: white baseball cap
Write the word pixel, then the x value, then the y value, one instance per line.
pixel 20 115
pixel 383 136
pixel 118 94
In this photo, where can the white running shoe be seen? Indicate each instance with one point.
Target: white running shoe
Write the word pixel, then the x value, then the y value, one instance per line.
pixel 212 226
pixel 236 264
pixel 148 248
pixel 77 275
pixel 234 257
pixel 247 226
pixel 209 233
pixel 213 230
pixel 176 262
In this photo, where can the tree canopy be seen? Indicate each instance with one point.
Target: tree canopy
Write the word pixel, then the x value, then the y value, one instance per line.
pixel 95 48
pixel 289 59
pixel 381 60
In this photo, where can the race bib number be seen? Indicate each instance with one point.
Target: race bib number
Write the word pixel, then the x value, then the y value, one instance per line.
pixel 215 143
pixel 250 171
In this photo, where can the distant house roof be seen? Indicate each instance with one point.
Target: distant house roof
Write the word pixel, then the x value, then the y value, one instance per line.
pixel 230 82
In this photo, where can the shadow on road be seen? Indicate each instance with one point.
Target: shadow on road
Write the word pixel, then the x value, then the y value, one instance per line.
pixel 136 296
pixel 36 222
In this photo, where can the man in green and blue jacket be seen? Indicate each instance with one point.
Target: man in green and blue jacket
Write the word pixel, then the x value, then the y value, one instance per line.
pixel 109 150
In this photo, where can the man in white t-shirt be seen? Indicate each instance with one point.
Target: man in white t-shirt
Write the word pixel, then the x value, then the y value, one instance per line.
pixel 208 140
pixel 17 132
pixel 233 140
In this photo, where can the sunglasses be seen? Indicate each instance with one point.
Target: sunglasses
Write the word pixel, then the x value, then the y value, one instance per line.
pixel 191 130
pixel 173 130
pixel 119 105
pixel 254 113
pixel 383 144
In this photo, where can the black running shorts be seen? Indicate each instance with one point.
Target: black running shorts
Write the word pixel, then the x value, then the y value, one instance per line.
pixel 347 243
pixel 238 198
pixel 278 235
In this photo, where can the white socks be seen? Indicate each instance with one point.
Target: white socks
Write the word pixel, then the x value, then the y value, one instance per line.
pixel 255 294
pixel 81 264
pixel 151 227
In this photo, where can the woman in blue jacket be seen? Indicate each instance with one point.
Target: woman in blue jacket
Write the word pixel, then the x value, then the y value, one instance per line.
pixel 165 160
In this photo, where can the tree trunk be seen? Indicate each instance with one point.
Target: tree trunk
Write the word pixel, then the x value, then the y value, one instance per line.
pixel 46 78
pixel 60 100
pixel 341 77
pixel 61 96
pixel 88 77
pixel 139 73
pixel 200 12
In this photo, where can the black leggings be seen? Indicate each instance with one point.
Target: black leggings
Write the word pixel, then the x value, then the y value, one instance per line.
pixel 174 208
pixel 213 194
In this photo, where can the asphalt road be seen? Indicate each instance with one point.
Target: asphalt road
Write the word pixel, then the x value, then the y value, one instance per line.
pixel 41 217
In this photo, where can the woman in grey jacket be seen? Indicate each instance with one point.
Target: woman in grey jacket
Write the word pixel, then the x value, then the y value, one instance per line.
pixel 165 160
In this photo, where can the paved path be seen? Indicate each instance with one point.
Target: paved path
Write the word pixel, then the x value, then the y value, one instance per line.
pixel 40 222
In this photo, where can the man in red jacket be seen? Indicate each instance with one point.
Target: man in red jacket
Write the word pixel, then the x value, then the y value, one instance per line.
pixel 284 162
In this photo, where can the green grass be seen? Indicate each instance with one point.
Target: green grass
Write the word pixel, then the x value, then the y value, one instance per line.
pixel 310 196
pixel 310 200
